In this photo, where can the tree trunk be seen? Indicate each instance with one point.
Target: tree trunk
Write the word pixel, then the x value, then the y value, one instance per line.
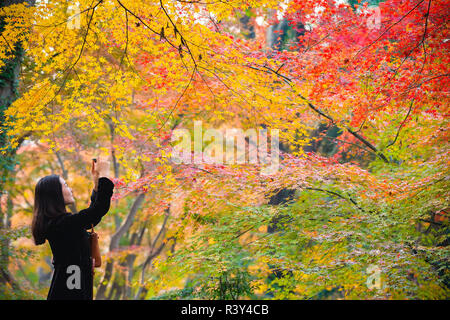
pixel 114 244
pixel 9 77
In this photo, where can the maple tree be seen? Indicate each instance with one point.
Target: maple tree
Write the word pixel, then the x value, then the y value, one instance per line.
pixel 360 103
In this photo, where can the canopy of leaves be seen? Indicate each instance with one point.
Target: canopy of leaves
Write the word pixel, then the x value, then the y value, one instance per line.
pixel 359 96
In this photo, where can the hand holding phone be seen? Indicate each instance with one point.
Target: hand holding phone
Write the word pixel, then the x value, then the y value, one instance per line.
pixel 100 168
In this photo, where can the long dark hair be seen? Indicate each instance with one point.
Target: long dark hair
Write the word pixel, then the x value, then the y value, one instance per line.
pixel 48 204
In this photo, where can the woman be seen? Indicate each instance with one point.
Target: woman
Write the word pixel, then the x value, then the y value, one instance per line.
pixel 66 232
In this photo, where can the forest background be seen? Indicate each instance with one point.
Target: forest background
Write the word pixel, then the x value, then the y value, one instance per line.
pixel 358 208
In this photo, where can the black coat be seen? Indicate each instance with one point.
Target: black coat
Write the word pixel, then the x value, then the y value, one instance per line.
pixel 69 241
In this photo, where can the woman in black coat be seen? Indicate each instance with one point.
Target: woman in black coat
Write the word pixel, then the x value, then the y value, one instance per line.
pixel 66 232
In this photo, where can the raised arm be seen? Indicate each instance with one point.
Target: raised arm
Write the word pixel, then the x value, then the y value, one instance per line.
pixel 100 199
pixel 98 208
pixel 93 199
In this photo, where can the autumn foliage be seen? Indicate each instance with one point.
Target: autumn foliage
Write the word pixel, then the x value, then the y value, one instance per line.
pixel 359 95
